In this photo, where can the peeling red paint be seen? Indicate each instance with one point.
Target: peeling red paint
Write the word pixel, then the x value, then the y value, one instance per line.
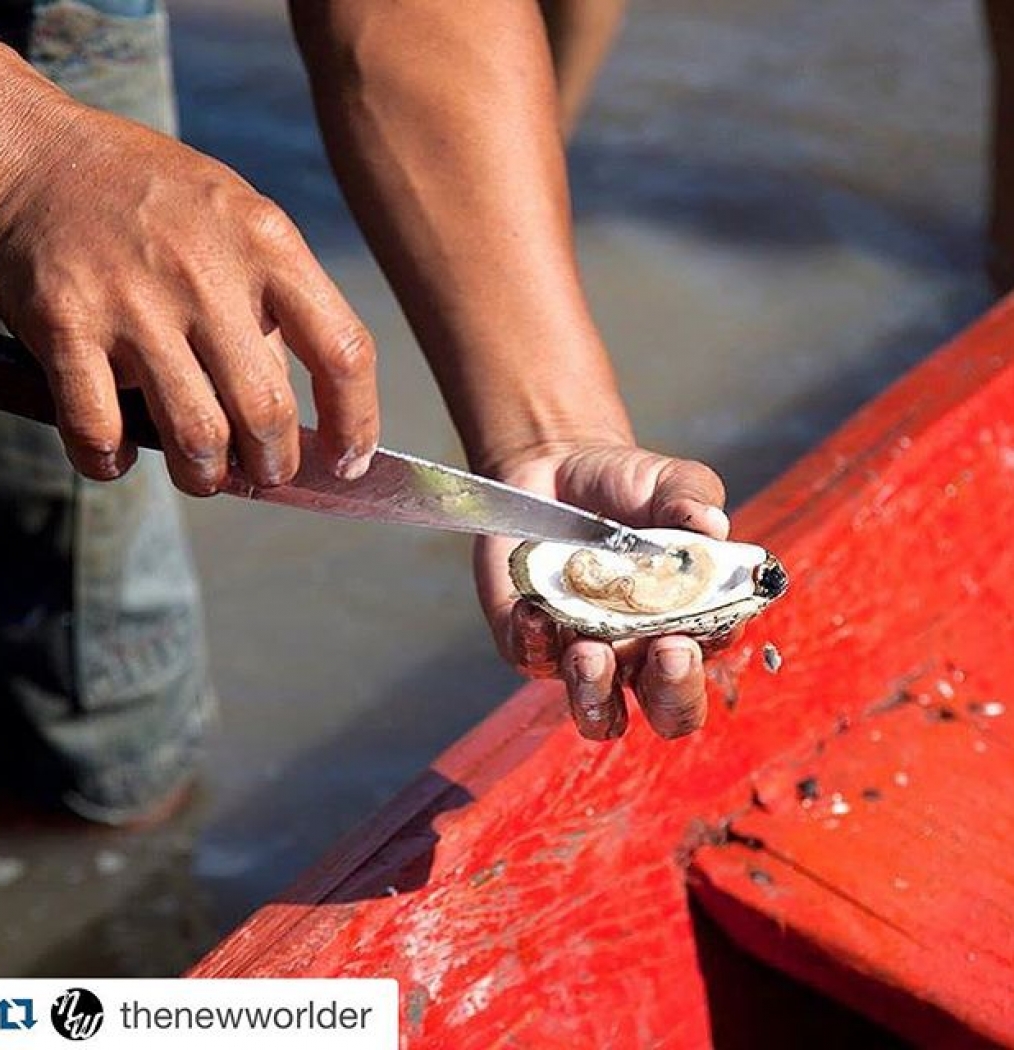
pixel 895 534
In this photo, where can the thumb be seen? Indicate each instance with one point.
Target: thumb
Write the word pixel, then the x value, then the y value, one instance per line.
pixel 643 489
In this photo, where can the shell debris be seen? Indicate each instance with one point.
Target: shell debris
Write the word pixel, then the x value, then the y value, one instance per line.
pixel 772 657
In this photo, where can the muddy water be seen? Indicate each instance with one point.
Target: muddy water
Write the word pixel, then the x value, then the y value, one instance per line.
pixel 779 206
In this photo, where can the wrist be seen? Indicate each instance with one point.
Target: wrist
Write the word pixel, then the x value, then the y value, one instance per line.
pixel 524 462
pixel 34 116
pixel 558 396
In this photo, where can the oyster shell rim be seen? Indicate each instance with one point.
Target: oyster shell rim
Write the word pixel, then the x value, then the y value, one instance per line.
pixel 770 579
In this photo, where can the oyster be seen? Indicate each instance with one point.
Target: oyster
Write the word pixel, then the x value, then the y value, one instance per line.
pixel 699 586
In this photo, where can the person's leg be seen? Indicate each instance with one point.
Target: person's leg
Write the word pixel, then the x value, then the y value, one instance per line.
pixel 580 35
pixel 999 16
pixel 112 54
pixel 104 696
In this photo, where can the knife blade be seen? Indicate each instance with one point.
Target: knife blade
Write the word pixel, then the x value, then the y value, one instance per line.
pixel 399 488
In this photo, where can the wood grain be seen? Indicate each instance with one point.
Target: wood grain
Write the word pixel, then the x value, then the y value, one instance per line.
pixel 540 897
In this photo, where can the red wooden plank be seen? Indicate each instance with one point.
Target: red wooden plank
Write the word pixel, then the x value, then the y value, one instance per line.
pixel 547 911
pixel 880 869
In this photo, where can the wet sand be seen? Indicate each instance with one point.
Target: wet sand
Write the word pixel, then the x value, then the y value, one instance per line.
pixel 779 211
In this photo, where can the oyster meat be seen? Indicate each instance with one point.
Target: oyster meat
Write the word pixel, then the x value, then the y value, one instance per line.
pixel 699 586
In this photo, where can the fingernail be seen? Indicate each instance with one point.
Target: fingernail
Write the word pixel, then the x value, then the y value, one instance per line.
pixel 717 522
pixel 589 667
pixel 674 662
pixel 272 471
pixel 354 464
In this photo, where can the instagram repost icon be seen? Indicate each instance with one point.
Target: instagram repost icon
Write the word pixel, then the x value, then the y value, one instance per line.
pixel 77 1014
pixel 17 1014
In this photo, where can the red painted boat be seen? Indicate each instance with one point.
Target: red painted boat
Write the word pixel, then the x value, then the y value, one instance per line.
pixel 845 821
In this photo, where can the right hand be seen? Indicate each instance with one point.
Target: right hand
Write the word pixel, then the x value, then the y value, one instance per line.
pixel 128 259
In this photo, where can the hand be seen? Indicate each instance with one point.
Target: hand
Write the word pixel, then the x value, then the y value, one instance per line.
pixel 640 489
pixel 128 259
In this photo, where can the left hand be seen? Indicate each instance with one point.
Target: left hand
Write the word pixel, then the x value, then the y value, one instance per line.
pixel 638 488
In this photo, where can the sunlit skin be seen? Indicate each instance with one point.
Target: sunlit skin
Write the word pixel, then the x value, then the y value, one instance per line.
pixel 581 33
pixel 127 258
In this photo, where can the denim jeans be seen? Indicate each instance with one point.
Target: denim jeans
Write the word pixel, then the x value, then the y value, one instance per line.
pixel 104 695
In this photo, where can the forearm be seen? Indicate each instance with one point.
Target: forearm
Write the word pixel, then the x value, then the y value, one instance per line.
pixel 441 125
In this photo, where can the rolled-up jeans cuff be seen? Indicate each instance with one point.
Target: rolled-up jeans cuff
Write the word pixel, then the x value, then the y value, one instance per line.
pixel 104 689
pixel 124 789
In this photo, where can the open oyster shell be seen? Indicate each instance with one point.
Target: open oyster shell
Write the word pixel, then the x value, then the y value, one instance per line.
pixel 702 587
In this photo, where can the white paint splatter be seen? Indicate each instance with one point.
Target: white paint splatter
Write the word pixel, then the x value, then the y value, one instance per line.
pixel 475 999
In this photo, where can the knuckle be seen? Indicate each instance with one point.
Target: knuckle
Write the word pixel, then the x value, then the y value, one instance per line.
pixel 64 334
pixel 270 225
pixel 48 296
pixel 672 715
pixel 683 724
pixel 203 438
pixel 534 644
pixel 57 311
pixel 536 668
pixel 352 351
pixel 696 481
pixel 709 482
pixel 272 413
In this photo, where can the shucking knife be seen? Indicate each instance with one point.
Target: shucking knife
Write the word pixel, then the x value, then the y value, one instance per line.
pixel 398 487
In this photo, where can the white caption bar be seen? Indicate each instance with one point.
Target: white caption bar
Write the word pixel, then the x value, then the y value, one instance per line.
pixel 105 1014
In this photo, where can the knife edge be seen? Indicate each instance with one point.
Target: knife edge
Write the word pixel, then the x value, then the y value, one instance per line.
pixel 401 488
pixel 398 487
